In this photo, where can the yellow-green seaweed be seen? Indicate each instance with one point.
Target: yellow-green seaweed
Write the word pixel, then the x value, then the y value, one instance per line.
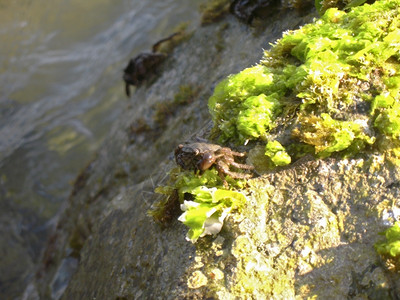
pixel 208 204
pixel 277 153
pixel 328 135
pixel 340 74
pixel 390 248
pixel 246 104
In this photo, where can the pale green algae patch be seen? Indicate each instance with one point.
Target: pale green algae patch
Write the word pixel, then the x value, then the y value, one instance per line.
pixel 332 85
pixel 277 153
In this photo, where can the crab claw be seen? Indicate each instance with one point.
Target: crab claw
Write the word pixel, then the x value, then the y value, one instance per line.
pixel 207 161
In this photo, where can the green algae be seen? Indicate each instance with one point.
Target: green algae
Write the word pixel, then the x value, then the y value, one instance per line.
pixel 328 135
pixel 389 249
pixel 388 120
pixel 306 231
pixel 208 205
pixel 213 10
pixel 339 74
pixel 206 214
pixel 246 104
pixel 277 153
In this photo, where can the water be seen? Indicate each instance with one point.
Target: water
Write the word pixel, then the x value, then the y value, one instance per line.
pixel 60 91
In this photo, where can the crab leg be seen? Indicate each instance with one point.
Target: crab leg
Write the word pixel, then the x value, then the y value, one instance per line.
pixel 224 169
pixel 242 166
pixel 240 154
pixel 238 175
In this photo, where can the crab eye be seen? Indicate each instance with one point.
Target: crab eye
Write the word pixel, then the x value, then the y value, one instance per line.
pixel 206 162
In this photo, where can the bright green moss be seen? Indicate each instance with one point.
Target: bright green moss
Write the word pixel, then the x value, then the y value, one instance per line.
pixel 241 105
pixel 341 72
pixel 277 153
pixel 328 135
pixel 390 248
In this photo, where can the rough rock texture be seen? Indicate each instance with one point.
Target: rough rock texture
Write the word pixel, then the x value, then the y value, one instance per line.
pixel 307 230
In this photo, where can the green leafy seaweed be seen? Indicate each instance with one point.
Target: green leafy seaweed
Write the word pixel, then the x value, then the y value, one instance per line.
pixel 390 248
pixel 204 199
pixel 206 213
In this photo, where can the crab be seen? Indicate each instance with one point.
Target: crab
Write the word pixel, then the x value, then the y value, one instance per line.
pixel 145 65
pixel 247 10
pixel 202 156
pixel 141 68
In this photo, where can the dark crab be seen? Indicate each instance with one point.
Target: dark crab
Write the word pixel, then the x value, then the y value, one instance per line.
pixel 145 65
pixel 246 10
pixel 141 68
pixel 201 156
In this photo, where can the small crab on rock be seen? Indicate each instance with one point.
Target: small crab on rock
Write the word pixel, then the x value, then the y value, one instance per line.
pixel 140 68
pixel 247 10
pixel 145 65
pixel 202 156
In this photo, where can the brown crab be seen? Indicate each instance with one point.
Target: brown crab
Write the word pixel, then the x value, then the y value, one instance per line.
pixel 145 65
pixel 201 156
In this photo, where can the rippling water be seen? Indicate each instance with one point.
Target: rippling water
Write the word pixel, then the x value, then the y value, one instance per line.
pixel 60 91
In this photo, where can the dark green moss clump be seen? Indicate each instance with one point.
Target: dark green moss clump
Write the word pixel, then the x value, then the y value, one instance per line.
pixel 214 10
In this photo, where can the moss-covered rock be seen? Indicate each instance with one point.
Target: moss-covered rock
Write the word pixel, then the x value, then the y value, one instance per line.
pixel 332 84
pixel 337 75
